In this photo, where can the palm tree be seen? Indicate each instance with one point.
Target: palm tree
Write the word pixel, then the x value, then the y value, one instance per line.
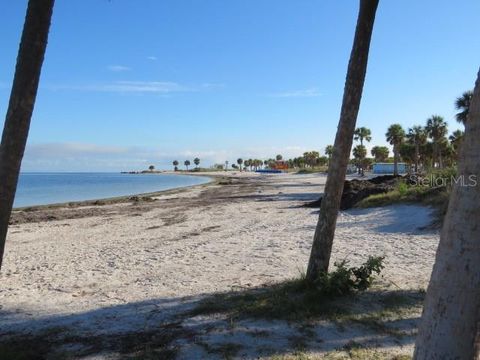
pixel 151 167
pixel 380 153
pixel 196 161
pixel 175 165
pixel 186 163
pixel 329 152
pixel 395 136
pixel 449 155
pixel 362 133
pixel 456 139
pixel 299 162
pixel 240 162
pixel 279 157
pixel 357 68
pixel 417 137
pixel 407 152
pixel 311 157
pixel 450 324
pixel 462 103
pixel 22 100
pixel 359 153
pixel 436 130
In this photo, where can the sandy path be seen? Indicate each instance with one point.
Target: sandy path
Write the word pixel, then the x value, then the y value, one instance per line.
pixel 203 240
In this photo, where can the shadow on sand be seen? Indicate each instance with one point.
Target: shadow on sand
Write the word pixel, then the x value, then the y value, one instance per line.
pixel 244 324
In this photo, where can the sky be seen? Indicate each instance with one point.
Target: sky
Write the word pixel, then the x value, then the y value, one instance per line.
pixel 126 84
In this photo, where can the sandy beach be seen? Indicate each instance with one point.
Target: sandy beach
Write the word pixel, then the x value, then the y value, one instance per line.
pixel 133 266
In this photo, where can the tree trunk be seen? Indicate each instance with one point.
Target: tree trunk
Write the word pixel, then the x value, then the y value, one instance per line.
pixel 440 160
pixel 357 67
pixel 450 321
pixel 395 159
pixel 434 156
pixel 20 108
pixel 417 155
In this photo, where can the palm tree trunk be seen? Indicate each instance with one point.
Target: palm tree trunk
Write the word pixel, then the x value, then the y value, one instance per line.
pixel 20 108
pixel 417 155
pixel 395 159
pixel 440 160
pixel 450 321
pixel 357 67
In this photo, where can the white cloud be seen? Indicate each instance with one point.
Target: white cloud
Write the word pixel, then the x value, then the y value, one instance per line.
pixel 311 92
pixel 86 157
pixel 153 58
pixel 72 149
pixel 145 87
pixel 212 85
pixel 118 68
pixel 162 87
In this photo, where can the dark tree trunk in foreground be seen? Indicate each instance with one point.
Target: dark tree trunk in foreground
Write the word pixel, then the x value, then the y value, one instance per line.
pixel 357 67
pixel 20 108
pixel 451 317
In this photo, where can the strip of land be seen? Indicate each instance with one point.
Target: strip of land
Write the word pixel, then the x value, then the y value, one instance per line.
pixel 90 278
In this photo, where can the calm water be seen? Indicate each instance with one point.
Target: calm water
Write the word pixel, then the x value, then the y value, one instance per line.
pixel 50 188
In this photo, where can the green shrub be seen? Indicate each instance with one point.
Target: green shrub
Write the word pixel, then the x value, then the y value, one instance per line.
pixel 402 188
pixel 345 280
pixel 313 170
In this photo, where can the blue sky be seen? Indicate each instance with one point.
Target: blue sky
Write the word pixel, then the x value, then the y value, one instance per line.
pixel 129 83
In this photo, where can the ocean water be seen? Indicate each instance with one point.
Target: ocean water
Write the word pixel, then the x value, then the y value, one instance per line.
pixel 51 188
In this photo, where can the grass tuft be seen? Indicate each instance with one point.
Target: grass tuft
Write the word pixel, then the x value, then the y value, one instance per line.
pixel 436 197
pixel 296 299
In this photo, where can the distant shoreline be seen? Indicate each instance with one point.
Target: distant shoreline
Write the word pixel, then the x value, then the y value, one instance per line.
pixel 169 172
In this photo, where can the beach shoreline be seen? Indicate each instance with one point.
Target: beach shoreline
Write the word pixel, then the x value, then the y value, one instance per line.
pixel 121 198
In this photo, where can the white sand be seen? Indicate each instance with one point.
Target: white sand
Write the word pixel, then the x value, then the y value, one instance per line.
pixel 112 271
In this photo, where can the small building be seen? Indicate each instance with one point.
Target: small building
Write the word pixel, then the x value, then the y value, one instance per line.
pixel 279 165
pixel 387 168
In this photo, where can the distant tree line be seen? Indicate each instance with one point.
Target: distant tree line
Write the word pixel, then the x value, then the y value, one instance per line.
pixel 427 146
pixel 421 147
